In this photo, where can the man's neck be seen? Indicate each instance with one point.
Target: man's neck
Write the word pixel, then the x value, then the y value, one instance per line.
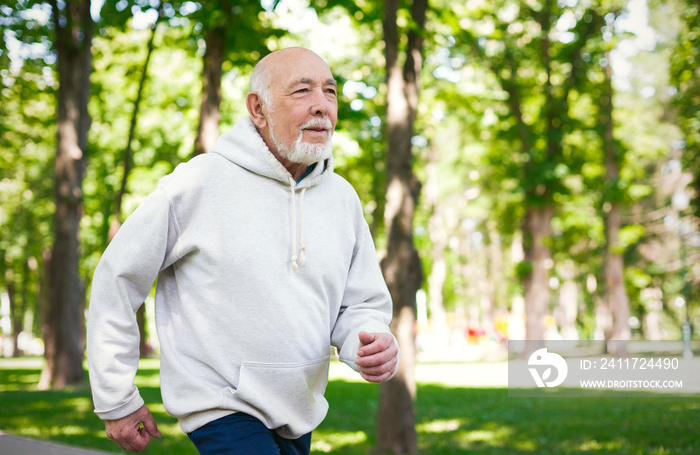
pixel 296 169
pixel 309 169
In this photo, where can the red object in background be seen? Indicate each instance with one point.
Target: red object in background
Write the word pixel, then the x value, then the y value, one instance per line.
pixel 475 334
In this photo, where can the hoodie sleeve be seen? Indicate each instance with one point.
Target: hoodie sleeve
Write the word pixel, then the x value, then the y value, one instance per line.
pixel 122 280
pixel 366 304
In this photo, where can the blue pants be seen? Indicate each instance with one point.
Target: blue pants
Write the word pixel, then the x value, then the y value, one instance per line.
pixel 241 434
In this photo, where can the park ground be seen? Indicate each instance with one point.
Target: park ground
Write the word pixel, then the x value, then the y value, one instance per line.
pixel 461 408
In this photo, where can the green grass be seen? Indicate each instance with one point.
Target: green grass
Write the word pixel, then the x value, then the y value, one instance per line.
pixel 450 420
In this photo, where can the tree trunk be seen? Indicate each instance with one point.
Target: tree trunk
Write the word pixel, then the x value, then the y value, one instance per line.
pixel 654 305
pixel 567 310
pixel 210 113
pixel 615 294
pixel 15 322
pixel 438 315
pixel 495 268
pixel 73 26
pixel 536 229
pixel 470 273
pixel 516 320
pixel 18 307
pixel 603 320
pixel 401 265
pixel 438 235
pixel 537 225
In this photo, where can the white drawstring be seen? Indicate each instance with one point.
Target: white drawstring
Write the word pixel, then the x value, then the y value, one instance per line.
pixel 302 254
pixel 301 257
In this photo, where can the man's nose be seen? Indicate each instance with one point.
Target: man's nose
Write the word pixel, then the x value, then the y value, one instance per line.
pixel 320 104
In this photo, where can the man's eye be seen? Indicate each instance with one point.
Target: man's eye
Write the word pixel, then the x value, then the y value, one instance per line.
pixel 302 90
pixel 331 91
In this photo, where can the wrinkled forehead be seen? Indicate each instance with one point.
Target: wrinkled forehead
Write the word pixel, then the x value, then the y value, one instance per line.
pixel 293 66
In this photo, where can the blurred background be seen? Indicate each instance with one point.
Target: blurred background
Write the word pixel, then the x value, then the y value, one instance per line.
pixel 556 146
pixel 546 155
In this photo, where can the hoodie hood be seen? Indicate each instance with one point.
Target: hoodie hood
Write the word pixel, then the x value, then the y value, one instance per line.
pixel 244 146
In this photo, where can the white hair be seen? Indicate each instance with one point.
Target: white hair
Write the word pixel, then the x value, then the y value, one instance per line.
pixel 260 81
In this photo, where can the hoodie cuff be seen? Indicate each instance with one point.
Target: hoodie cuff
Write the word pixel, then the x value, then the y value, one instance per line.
pixel 348 352
pixel 133 405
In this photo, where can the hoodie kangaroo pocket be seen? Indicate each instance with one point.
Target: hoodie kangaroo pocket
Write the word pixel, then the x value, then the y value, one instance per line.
pixel 285 397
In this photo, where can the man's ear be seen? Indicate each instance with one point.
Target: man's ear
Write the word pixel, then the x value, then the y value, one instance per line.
pixel 254 104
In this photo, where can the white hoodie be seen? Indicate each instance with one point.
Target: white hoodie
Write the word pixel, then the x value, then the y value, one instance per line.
pixel 239 328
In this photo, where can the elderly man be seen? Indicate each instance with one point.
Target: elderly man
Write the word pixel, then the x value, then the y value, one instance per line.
pixel 263 259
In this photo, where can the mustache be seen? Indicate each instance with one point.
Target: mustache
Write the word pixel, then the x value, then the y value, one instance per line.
pixel 324 123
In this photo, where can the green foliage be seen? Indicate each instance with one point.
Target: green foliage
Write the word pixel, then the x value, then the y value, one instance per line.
pixel 165 129
pixel 685 78
pixel 628 236
pixel 511 105
pixel 523 269
pixel 27 146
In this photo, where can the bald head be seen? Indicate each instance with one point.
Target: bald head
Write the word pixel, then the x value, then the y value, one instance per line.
pixel 276 64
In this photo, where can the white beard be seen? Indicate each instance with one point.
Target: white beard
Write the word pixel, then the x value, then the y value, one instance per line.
pixel 302 152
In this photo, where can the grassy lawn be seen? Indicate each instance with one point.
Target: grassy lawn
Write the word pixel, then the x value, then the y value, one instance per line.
pixel 451 420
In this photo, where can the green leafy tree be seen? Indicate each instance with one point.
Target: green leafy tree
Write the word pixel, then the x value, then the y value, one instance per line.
pixel 685 76
pixel 27 146
pixel 542 109
pixel 392 182
pixel 536 69
pixel 233 32
pixel 73 27
pixel 401 265
pixel 142 76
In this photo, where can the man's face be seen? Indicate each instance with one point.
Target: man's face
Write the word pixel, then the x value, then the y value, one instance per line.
pixel 304 108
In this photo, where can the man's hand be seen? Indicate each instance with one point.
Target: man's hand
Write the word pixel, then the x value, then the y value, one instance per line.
pixel 128 433
pixel 377 357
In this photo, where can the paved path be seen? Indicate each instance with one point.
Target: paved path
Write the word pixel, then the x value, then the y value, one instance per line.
pixel 15 445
